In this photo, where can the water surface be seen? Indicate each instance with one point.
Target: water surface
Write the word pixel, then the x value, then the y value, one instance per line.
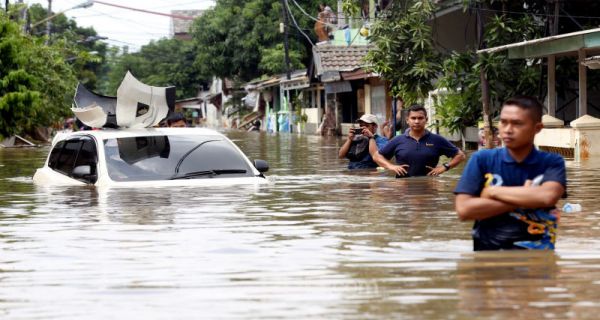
pixel 318 242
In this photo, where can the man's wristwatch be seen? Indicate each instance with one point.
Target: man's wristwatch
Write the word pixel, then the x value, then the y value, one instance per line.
pixel 447 166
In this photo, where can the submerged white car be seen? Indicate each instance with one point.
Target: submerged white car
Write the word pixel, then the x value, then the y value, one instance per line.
pixel 148 157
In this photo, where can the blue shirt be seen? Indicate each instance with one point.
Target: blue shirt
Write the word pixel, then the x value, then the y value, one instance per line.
pixel 367 162
pixel 418 154
pixel 497 167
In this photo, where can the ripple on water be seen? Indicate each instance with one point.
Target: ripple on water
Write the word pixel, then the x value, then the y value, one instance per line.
pixel 317 242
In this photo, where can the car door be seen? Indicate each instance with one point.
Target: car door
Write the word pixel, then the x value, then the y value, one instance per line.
pixel 76 158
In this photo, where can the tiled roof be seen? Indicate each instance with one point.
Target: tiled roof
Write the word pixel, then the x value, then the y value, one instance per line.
pixel 339 58
pixel 179 26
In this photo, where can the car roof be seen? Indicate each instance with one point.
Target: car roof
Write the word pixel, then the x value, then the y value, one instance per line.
pixel 142 132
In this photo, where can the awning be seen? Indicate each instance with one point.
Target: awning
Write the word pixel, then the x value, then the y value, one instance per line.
pixel 273 81
pixel 338 86
pixel 568 43
pixel 357 74
pixel 191 106
pixel 206 96
pixel 592 62
pixel 329 76
pixel 296 83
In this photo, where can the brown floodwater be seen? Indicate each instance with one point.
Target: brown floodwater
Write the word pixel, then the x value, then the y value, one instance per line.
pixel 319 242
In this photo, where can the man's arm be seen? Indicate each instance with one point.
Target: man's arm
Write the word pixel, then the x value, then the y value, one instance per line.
pixel 372 147
pixel 544 196
pixel 383 162
pixel 458 158
pixel 346 146
pixel 469 207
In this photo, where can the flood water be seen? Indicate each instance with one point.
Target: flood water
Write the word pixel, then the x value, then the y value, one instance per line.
pixel 319 242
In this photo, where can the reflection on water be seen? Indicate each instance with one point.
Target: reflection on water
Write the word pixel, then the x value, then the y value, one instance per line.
pixel 320 242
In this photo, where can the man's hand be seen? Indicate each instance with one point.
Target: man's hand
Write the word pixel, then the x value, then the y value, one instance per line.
pixel 351 134
pixel 386 128
pixel 487 192
pixel 398 169
pixel 435 171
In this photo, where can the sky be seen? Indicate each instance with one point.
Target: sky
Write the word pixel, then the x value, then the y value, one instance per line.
pixel 126 27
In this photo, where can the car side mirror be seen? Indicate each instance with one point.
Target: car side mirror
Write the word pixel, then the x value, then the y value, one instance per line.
pixel 261 165
pixel 82 171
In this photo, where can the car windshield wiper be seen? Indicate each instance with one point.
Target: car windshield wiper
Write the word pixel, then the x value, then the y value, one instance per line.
pixel 215 172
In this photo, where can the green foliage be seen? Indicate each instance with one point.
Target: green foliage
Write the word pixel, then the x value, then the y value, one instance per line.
pixel 161 63
pixel 272 60
pixel 241 39
pixel 404 52
pixel 299 105
pixel 36 83
pixel 77 45
pixel 351 8
pixel 461 74
pixel 455 112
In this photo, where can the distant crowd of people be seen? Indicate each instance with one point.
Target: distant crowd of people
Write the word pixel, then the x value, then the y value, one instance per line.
pixel 510 192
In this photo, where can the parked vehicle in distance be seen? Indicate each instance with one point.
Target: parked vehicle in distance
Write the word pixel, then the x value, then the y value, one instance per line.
pixel 148 157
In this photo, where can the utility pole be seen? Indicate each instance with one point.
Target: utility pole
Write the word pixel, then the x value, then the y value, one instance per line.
pixel 287 60
pixel 485 86
pixel 285 38
pixel 551 80
pixel 49 22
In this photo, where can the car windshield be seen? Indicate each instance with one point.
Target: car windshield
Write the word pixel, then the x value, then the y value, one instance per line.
pixel 173 157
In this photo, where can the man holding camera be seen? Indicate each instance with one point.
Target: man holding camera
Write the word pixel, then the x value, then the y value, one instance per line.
pixel 358 147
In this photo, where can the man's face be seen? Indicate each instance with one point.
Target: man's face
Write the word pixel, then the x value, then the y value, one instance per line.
pixel 178 124
pixel 369 126
pixel 416 120
pixel 517 127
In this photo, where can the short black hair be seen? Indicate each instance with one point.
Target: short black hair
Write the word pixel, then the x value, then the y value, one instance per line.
pixel 177 116
pixel 416 108
pixel 532 104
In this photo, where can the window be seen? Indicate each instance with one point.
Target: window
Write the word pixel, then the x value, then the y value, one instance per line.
pixel 79 151
pixel 88 157
pixel 173 157
pixel 54 154
pixel 67 157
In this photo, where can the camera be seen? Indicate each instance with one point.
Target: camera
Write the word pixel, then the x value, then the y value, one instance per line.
pixel 357 130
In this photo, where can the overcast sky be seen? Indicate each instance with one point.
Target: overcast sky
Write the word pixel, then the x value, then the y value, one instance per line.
pixel 122 26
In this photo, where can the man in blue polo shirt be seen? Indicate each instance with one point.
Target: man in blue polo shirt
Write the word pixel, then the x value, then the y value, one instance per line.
pixel 418 151
pixel 511 192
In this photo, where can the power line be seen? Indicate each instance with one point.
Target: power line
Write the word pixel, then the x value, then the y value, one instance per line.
pixel 296 24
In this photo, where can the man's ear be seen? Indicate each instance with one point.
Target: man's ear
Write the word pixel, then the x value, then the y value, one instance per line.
pixel 538 127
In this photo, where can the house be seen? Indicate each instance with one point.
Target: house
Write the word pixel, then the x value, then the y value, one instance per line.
pixel 180 28
pixel 576 141
pixel 350 89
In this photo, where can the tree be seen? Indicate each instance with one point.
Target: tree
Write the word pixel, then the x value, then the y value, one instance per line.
pixel 36 83
pixel 162 63
pixel 241 39
pixel 83 51
pixel 404 53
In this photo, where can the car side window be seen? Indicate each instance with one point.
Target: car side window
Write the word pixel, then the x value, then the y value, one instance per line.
pixel 54 154
pixel 70 154
pixel 88 157
pixel 67 157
